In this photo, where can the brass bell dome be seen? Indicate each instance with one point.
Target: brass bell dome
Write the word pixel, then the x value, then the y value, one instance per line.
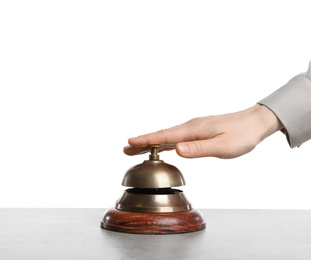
pixel 153 173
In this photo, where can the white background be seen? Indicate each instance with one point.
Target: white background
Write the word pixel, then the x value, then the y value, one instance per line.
pixel 78 78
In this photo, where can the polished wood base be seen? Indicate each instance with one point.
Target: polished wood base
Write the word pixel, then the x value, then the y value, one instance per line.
pixel 153 223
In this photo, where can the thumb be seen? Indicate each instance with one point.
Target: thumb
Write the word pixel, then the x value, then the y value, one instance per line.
pixel 213 147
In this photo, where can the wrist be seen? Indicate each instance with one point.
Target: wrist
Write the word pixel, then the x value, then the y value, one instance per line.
pixel 268 122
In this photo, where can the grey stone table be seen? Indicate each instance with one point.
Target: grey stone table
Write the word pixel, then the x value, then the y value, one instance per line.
pixel 230 234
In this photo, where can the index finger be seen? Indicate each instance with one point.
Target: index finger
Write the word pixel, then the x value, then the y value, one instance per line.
pixel 173 135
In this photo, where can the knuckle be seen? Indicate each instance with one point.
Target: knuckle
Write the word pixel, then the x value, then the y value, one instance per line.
pixel 200 122
pixel 164 134
pixel 197 148
pixel 166 131
pixel 195 120
pixel 195 124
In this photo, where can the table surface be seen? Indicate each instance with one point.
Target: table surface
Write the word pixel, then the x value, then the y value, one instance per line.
pixel 229 234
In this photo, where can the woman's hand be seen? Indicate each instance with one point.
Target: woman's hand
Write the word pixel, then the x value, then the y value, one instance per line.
pixel 223 136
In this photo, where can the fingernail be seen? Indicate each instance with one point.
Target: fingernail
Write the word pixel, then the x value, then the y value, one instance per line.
pixel 183 148
pixel 132 138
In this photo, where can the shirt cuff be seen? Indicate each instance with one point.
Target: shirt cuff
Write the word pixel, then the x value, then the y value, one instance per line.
pixel 292 105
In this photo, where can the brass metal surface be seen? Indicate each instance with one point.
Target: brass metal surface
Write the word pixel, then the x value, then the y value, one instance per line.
pixel 153 201
pixel 153 173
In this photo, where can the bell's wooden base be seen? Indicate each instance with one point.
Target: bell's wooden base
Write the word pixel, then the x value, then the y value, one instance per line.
pixel 153 223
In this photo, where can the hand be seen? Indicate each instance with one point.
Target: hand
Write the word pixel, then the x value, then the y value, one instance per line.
pixel 223 136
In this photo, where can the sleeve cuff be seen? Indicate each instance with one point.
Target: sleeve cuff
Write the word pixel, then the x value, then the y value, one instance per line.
pixel 292 105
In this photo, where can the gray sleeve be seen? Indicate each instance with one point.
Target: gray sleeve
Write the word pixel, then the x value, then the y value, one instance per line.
pixel 292 105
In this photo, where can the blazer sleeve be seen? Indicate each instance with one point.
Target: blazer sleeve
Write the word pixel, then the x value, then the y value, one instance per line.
pixel 292 105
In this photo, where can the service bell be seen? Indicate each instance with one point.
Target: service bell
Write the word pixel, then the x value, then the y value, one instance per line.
pixel 151 205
